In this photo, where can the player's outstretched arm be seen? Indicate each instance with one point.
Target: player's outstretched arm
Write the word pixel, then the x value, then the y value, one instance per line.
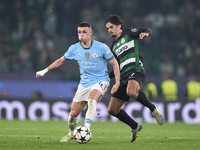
pixel 54 65
pixel 115 66
pixel 143 34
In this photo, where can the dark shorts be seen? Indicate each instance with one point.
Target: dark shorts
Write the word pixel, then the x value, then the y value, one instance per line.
pixel 121 92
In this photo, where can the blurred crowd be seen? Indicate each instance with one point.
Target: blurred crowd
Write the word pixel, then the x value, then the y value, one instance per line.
pixel 33 33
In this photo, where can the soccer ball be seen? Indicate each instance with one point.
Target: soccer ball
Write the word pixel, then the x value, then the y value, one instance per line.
pixel 82 134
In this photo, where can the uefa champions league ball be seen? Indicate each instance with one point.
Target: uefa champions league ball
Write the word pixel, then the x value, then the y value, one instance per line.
pixel 82 134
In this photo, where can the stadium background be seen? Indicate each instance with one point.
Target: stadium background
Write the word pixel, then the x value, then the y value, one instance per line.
pixel 33 33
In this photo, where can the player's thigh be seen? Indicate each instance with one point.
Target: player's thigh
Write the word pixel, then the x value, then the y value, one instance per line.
pixel 133 88
pixel 81 94
pixel 115 105
pixel 77 107
pixel 135 82
pixel 95 94
pixel 98 90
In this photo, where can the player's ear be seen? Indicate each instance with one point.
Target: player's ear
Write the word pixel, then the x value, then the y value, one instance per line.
pixel 91 32
pixel 119 26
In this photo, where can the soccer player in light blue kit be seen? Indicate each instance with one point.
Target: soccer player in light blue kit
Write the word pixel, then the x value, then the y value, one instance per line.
pixel 92 57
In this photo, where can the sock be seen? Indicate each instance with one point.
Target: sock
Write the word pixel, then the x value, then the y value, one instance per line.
pixel 144 101
pixel 90 114
pixel 72 122
pixel 124 117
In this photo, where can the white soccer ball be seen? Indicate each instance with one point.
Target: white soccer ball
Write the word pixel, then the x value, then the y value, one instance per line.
pixel 82 134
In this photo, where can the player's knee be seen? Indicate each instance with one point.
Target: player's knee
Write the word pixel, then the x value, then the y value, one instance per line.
pixel 112 112
pixel 73 114
pixel 132 93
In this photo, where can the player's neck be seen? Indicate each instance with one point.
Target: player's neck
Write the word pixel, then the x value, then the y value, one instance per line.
pixel 119 34
pixel 86 44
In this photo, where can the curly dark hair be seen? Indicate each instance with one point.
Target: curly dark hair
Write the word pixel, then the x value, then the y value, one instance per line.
pixel 115 19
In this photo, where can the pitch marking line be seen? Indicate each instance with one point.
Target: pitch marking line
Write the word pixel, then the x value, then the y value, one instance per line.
pixel 182 138
pixel 25 135
pixel 102 137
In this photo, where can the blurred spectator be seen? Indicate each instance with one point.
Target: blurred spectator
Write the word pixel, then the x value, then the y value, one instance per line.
pixel 42 25
pixel 70 19
pixel 181 71
pixel 50 17
pixel 191 67
pixel 42 63
pixel 37 95
pixel 166 67
pixel 25 58
pixel 172 18
pixel 3 63
pixel 169 89
pixel 2 11
pixel 151 90
pixel 110 6
pixel 4 93
pixel 155 18
pixel 192 88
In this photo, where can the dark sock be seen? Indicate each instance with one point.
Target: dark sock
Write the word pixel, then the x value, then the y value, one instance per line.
pixel 124 117
pixel 144 101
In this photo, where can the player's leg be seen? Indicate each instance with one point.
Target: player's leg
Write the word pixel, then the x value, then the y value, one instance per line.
pixel 133 90
pixel 73 119
pixel 76 108
pixel 91 111
pixel 114 109
pixel 97 91
pixel 79 102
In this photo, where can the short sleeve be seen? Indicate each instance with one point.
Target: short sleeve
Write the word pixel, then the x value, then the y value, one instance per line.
pixel 70 53
pixel 107 53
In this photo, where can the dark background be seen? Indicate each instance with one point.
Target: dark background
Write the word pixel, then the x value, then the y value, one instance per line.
pixel 34 33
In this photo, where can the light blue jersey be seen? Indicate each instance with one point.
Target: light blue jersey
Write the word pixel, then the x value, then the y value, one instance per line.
pixel 92 62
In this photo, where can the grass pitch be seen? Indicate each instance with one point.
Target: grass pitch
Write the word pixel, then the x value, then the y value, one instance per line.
pixel 45 135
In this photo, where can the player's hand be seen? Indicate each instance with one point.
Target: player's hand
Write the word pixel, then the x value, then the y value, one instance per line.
pixel 41 73
pixel 114 88
pixel 143 34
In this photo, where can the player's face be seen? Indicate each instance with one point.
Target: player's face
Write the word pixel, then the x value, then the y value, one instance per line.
pixel 84 34
pixel 114 30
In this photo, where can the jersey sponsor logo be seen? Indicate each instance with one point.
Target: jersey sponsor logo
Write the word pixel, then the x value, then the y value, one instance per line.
pixel 87 55
pixel 94 55
pixel 134 29
pixel 118 44
pixel 89 62
pixel 80 55
pixel 122 49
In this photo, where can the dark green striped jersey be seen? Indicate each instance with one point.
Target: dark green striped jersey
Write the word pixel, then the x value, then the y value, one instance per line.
pixel 128 52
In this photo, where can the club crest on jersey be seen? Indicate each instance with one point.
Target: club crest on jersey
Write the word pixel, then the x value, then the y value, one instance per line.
pixel 122 40
pixel 95 55
pixel 87 55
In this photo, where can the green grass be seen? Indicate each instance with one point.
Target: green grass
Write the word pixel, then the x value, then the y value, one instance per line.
pixel 32 135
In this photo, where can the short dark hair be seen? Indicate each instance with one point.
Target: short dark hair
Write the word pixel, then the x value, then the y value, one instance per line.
pixel 85 24
pixel 115 19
